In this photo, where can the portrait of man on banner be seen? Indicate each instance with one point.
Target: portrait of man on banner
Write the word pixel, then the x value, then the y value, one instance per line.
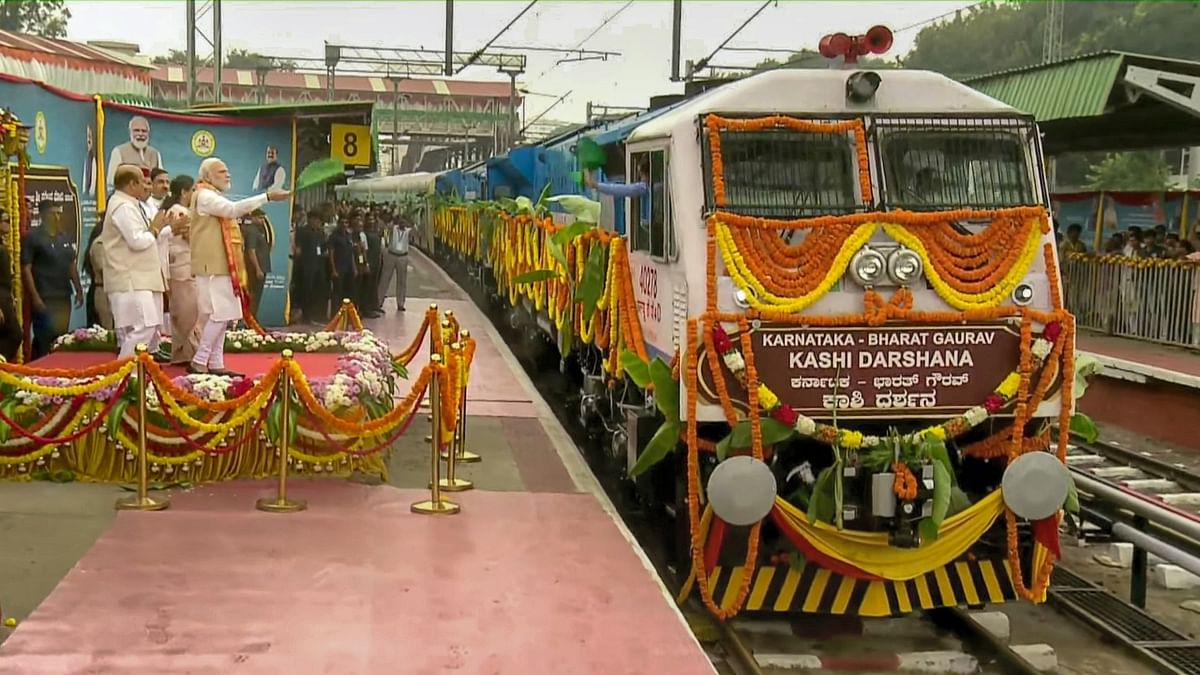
pixel 271 174
pixel 137 151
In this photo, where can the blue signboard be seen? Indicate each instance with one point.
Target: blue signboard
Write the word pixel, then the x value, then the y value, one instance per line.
pixel 258 154
pixel 68 152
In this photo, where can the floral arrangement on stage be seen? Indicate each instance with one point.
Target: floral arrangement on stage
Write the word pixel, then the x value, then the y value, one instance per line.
pixel 97 339
pixel 213 427
pixel 365 368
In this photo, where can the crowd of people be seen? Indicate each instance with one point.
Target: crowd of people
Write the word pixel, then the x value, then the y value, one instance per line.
pixel 348 250
pixel 1135 242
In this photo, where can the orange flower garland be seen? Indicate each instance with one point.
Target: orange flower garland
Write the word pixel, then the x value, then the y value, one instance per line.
pixel 904 484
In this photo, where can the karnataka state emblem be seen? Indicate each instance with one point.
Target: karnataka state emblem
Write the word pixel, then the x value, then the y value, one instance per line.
pixel 204 143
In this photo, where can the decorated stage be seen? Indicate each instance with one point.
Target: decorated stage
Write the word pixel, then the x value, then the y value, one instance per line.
pixel 74 415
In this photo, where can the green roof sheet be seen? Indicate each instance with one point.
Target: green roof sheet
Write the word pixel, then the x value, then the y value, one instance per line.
pixel 1078 87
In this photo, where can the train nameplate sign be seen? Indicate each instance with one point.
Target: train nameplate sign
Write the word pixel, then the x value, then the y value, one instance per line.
pixel 895 371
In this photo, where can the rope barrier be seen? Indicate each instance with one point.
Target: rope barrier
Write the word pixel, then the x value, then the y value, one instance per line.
pixel 202 427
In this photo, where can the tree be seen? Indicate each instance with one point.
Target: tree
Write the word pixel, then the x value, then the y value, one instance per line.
pixel 1142 171
pixel 1006 34
pixel 241 59
pixel 47 18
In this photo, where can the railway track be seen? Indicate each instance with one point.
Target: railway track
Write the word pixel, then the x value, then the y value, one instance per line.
pixel 1173 484
pixel 947 641
pixel 1156 486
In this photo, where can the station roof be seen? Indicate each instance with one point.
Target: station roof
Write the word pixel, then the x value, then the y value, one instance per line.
pixel 373 85
pixel 71 66
pixel 1106 100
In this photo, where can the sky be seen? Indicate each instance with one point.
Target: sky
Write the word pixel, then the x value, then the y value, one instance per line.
pixel 640 31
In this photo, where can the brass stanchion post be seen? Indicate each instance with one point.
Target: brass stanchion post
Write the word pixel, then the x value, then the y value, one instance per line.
pixel 433 338
pixel 436 504
pixel 280 502
pixel 452 483
pixel 445 341
pixel 465 456
pixel 142 501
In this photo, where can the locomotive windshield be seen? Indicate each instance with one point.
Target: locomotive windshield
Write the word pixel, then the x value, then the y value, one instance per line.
pixel 780 173
pixel 933 169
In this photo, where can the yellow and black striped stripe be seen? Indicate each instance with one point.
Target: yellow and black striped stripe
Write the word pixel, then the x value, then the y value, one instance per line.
pixel 816 590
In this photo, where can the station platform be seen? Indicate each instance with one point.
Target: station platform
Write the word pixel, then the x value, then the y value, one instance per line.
pixel 1144 388
pixel 537 574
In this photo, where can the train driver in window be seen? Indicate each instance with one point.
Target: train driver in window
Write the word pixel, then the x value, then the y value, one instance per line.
pixel 639 190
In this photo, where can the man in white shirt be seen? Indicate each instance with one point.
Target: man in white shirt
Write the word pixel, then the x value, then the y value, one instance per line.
pixel 133 275
pixel 395 261
pixel 212 217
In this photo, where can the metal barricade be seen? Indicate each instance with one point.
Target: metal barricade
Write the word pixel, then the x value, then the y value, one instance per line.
pixel 1141 298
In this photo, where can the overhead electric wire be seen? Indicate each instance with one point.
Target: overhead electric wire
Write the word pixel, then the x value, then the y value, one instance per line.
pixel 704 61
pixel 589 37
pixel 479 52
pixel 806 58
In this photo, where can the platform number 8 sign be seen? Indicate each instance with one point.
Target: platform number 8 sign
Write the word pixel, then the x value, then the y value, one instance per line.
pixel 350 143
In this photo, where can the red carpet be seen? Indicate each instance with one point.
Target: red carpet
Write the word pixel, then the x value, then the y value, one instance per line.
pixel 519 583
pixel 314 365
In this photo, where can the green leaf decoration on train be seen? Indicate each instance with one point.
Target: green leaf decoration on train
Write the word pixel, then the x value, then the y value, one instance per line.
pixel 773 431
pixel 656 373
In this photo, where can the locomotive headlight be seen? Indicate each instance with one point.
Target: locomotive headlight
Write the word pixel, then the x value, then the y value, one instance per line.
pixel 867 266
pixel 904 266
pixel 1022 295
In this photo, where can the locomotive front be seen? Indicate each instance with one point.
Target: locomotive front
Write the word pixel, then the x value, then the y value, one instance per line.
pixel 874 344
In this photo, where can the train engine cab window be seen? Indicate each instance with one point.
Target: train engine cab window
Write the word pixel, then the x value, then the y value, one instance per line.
pixel 652 230
pixel 783 173
pixel 936 169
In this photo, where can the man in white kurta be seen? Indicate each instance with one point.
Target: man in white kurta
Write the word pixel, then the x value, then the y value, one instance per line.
pixel 211 214
pixel 132 270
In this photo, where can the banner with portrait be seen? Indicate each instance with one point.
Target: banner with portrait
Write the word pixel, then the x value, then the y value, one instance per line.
pixel 257 152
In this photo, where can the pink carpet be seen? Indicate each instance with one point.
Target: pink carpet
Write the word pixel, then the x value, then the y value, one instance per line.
pixel 518 583
pixel 252 365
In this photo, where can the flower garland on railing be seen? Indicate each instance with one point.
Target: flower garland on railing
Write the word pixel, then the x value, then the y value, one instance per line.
pixel 191 417
pixel 1131 262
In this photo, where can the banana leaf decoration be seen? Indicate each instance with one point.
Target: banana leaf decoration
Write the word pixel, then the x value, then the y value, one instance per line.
pixel 584 209
pixel 319 172
pixel 590 154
